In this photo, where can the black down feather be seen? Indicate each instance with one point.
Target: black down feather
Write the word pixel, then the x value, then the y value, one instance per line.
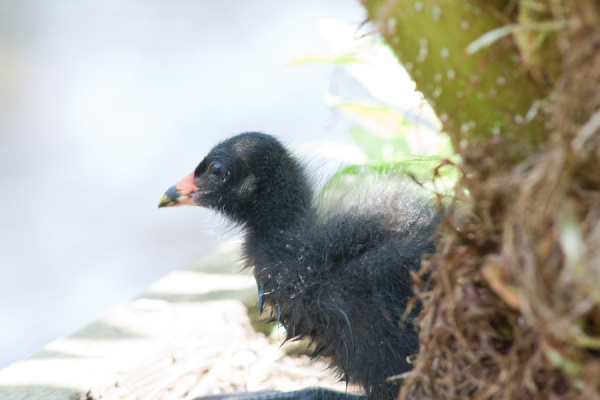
pixel 337 275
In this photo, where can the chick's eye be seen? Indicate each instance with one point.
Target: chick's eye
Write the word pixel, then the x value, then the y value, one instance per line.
pixel 216 169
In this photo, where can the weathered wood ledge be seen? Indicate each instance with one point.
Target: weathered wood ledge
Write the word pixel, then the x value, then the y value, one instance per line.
pixel 189 335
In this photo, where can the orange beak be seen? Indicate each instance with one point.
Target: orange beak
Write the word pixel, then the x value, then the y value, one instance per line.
pixel 181 193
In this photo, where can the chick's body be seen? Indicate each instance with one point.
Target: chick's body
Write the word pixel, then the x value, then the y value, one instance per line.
pixel 340 277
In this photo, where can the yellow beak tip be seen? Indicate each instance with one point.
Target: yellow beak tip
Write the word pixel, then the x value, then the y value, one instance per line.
pixel 165 201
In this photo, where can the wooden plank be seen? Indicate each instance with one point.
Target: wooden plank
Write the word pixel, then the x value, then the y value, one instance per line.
pixel 188 336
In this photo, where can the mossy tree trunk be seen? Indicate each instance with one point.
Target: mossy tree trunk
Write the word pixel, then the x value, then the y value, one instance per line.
pixel 514 311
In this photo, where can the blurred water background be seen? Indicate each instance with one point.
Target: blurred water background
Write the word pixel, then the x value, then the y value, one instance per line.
pixel 104 105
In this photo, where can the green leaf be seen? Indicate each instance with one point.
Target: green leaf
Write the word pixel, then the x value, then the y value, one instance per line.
pixel 329 59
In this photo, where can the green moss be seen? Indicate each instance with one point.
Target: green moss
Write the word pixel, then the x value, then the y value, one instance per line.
pixel 475 95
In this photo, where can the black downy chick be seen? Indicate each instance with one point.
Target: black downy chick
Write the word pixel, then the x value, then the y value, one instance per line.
pixel 339 277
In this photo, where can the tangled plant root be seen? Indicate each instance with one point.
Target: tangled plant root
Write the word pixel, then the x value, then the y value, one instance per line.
pixel 514 311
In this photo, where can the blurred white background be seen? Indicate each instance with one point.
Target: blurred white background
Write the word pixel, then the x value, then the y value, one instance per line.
pixel 104 105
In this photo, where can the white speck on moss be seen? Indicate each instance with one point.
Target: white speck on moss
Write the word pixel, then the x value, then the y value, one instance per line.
pixel 418 6
pixel 423 50
pixel 465 25
pixel 436 13
pixel 391 25
pixel 451 74
pixel 437 93
pixel 445 53
pixel 519 119
pixel 467 126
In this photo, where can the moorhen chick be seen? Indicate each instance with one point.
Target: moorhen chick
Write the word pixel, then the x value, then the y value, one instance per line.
pixel 339 276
